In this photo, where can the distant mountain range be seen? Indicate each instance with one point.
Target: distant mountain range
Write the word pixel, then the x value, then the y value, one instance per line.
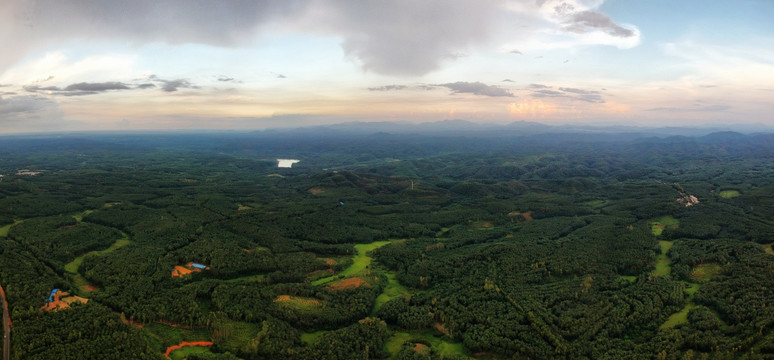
pixel 519 128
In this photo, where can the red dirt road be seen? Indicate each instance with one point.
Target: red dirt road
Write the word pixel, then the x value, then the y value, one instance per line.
pixel 6 327
pixel 186 343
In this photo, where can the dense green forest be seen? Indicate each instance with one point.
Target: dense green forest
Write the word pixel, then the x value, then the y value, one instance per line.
pixel 384 246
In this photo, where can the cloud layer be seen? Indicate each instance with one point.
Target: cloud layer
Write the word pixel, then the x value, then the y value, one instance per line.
pixel 398 37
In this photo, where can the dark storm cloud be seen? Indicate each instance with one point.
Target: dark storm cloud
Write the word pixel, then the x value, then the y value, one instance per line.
pixel 387 88
pixel 476 88
pixel 585 21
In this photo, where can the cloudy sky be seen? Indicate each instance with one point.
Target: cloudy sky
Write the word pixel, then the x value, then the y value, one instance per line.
pixel 201 64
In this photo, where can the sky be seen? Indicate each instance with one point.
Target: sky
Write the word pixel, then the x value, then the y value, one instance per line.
pixel 71 65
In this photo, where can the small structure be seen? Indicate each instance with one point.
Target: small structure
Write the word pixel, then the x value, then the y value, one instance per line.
pixel 187 269
pixel 51 296
pixel 286 163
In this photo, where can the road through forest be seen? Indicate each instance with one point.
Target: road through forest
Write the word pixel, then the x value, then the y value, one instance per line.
pixel 6 327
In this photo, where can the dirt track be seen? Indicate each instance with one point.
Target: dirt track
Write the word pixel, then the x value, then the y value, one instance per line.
pixel 6 327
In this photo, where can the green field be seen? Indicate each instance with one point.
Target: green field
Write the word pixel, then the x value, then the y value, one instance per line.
pixel 79 217
pixel 439 345
pixel 309 338
pixel 663 262
pixel 72 267
pixel 767 248
pixel 658 225
pixel 4 229
pixel 705 272
pixel 185 352
pixel 392 290
pixel 240 333
pixel 171 335
pixel 729 194
pixel 680 317
pixel 629 278
pixel 359 262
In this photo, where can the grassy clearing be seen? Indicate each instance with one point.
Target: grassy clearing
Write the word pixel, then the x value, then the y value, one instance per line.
pixel 729 194
pixel 393 290
pixel 658 225
pixel 439 345
pixel 72 267
pixel 79 282
pixel 169 335
pixel 4 229
pixel 240 333
pixel 767 248
pixel 79 217
pixel 629 278
pixel 691 289
pixel 309 338
pixel 299 303
pixel 187 351
pixel 663 262
pixel 680 317
pixel 359 262
pixel 705 272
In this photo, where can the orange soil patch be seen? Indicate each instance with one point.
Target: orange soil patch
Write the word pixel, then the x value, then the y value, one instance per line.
pixel 349 283
pixel 288 298
pixel 315 191
pixel 316 272
pixel 442 328
pixel 89 288
pixel 486 225
pixel 330 262
pixel 422 349
pixel 62 300
pixel 180 271
pixel 186 343
pixel 524 215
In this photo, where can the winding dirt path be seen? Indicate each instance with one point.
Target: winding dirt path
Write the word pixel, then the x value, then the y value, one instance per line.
pixel 186 343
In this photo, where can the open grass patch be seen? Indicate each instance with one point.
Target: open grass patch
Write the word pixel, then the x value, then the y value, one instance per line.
pixel 392 290
pixel 630 278
pixel 438 345
pixel 238 333
pixel 186 351
pixel 767 248
pixel 168 335
pixel 680 317
pixel 298 302
pixel 658 225
pixel 705 272
pixel 663 262
pixel 4 229
pixel 309 337
pixel 360 262
pixel 729 194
